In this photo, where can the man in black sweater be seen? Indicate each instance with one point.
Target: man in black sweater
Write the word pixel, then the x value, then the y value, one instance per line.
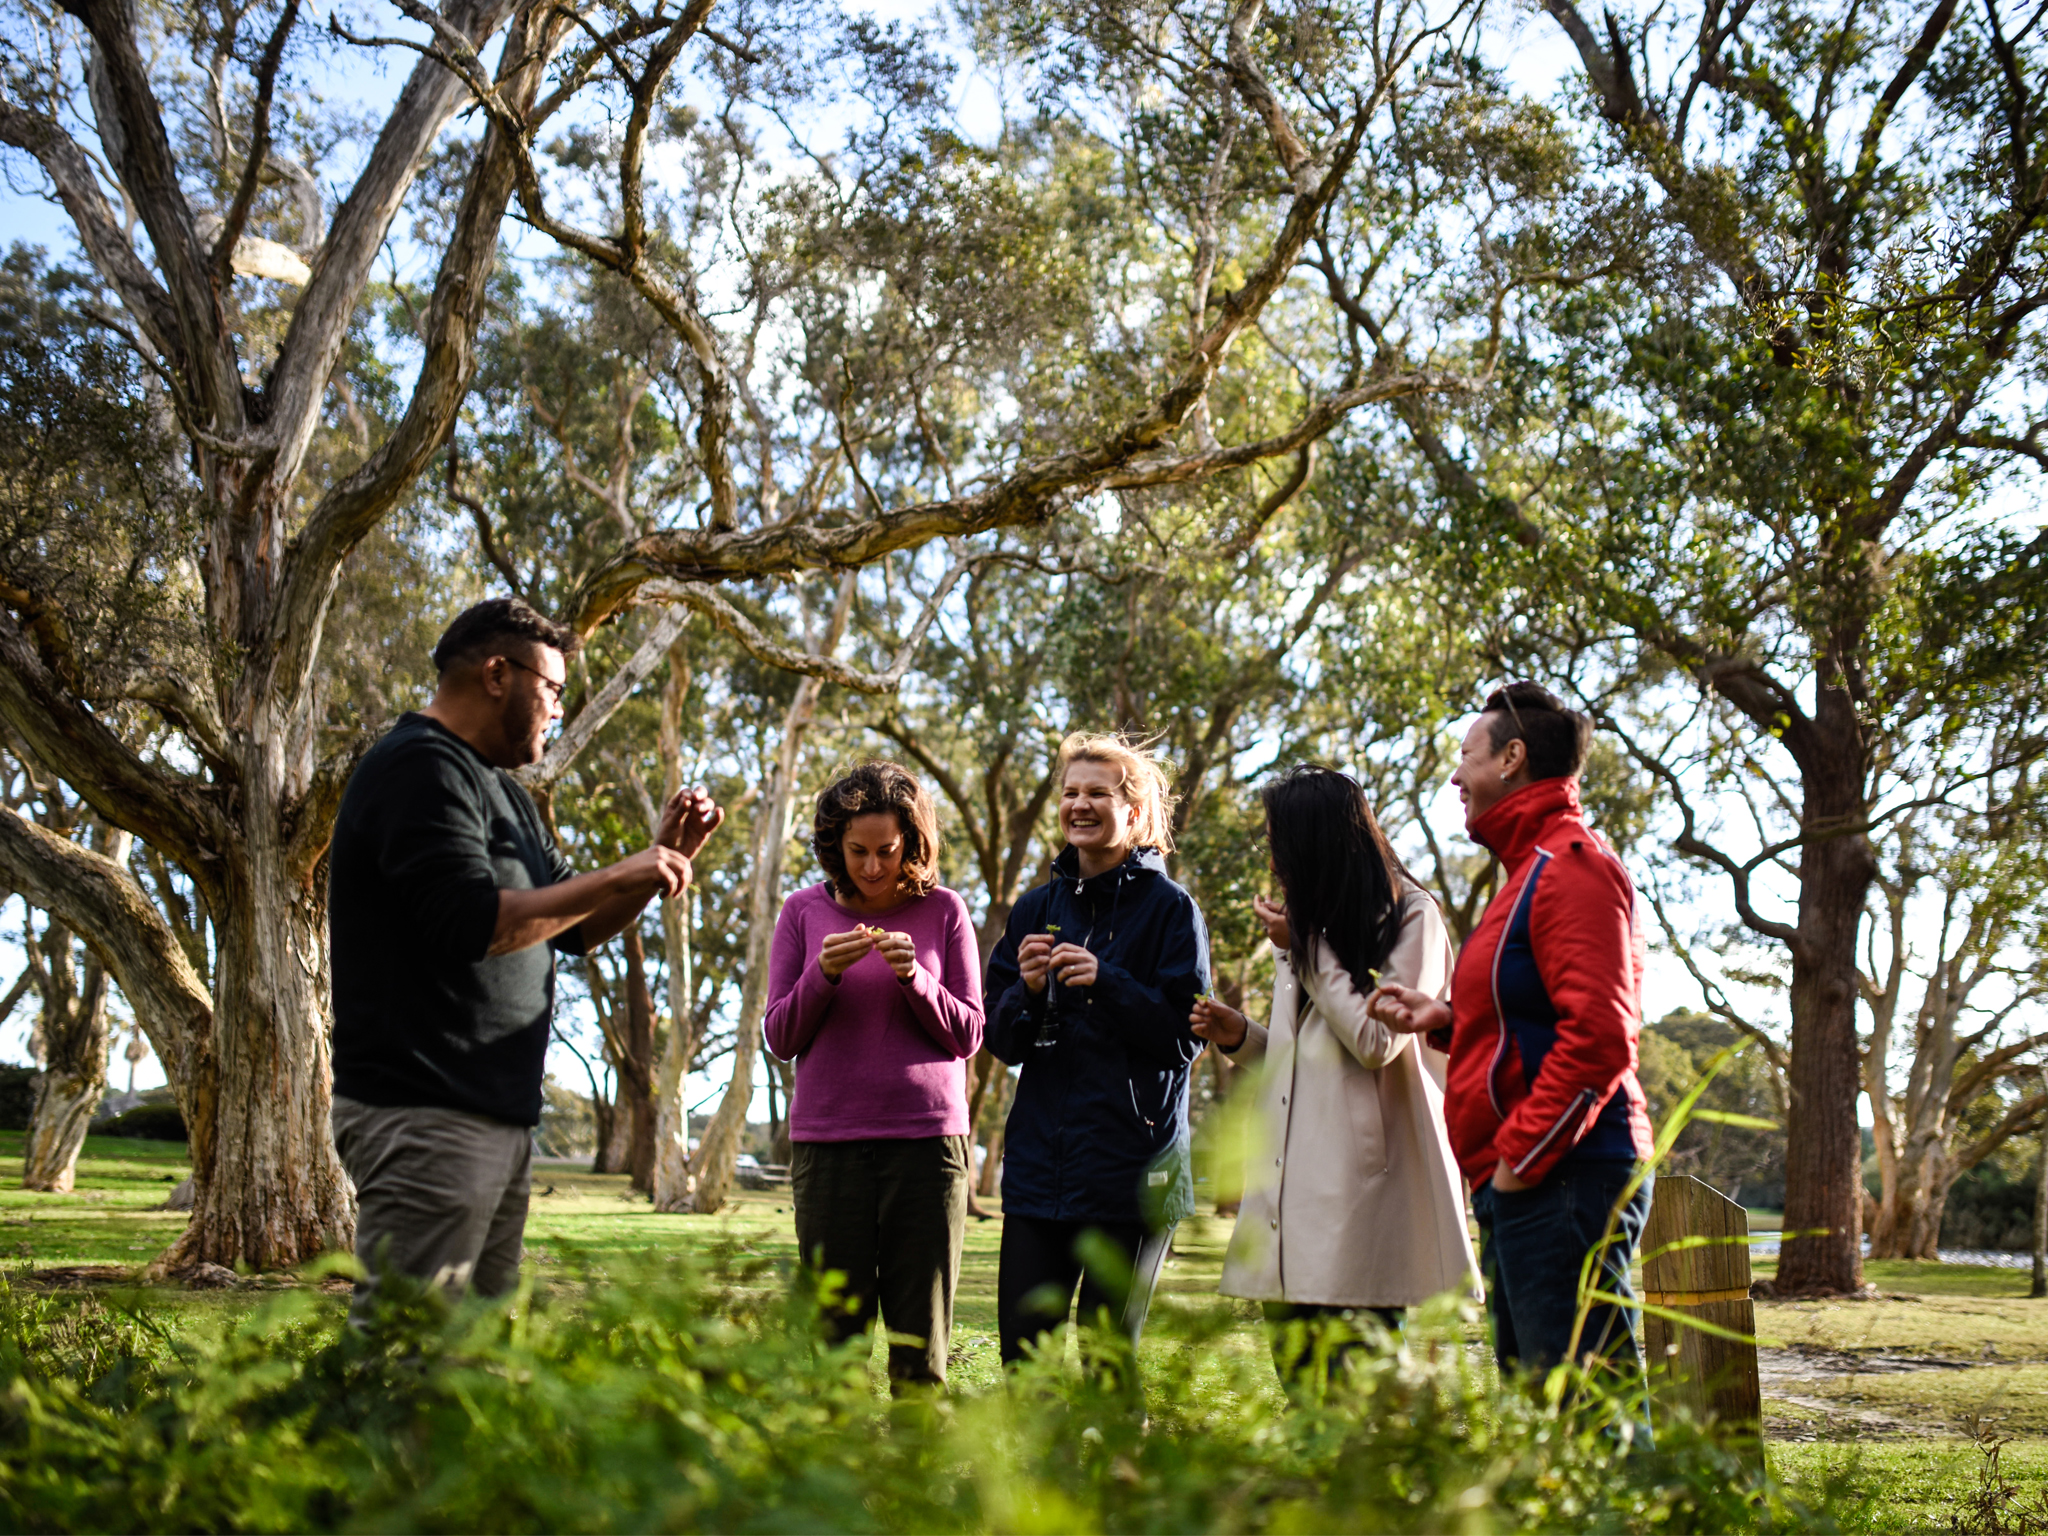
pixel 446 896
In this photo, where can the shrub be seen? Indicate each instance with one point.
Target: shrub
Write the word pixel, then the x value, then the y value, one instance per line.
pixel 17 1096
pixel 148 1122
pixel 1988 1208
pixel 671 1397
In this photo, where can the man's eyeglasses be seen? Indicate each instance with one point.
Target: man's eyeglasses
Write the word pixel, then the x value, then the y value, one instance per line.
pixel 555 689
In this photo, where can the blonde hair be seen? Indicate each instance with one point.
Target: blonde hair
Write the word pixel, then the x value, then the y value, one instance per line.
pixel 1143 783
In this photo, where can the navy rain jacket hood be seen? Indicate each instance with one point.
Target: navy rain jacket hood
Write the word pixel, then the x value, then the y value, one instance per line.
pixel 1099 1129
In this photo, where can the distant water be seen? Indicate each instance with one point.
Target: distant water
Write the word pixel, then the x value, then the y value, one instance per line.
pixel 1995 1258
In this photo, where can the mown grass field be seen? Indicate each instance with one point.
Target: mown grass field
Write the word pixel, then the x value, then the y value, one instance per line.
pixel 1890 1396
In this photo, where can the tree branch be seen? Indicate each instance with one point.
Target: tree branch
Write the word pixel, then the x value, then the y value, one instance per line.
pixel 348 511
pixel 1028 496
pixel 259 146
pixel 1692 845
pixel 822 664
pixel 107 246
pixel 101 902
pixel 590 719
pixel 71 741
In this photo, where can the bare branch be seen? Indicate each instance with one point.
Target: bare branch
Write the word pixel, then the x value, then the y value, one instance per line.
pixel 100 901
pixel 819 664
pixel 1692 845
pixel 73 742
pixel 259 145
pixel 591 718
pixel 110 250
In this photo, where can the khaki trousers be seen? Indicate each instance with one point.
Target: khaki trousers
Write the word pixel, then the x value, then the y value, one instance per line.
pixel 441 1195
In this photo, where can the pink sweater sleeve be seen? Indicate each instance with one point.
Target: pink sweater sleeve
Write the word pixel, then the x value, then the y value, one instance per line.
pixel 948 1006
pixel 798 992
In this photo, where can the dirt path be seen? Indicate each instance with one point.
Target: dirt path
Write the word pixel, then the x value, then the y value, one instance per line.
pixel 1819 1380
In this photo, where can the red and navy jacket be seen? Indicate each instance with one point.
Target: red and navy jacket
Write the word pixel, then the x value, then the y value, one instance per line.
pixel 1546 1000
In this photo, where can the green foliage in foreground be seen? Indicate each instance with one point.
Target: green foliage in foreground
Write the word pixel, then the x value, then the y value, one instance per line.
pixel 681 1398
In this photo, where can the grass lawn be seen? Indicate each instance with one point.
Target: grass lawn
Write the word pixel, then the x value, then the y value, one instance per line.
pixel 1884 1394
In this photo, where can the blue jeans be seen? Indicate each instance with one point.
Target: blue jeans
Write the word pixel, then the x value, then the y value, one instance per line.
pixel 1532 1246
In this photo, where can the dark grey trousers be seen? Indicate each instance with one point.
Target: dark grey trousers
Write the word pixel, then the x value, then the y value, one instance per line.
pixel 440 1195
pixel 891 1216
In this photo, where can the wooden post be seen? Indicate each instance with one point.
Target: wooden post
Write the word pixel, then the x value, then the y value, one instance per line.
pixel 1713 1377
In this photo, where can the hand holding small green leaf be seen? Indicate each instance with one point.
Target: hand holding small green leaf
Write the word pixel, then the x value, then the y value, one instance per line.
pixel 1406 1011
pixel 840 950
pixel 1219 1023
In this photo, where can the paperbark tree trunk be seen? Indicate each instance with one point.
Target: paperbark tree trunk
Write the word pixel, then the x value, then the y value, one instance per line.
pixel 1823 1250
pixel 2039 1288
pixel 75 1042
pixel 721 1145
pixel 720 1148
pixel 74 1076
pixel 671 1190
pixel 636 1081
pixel 268 1189
pixel 781 1095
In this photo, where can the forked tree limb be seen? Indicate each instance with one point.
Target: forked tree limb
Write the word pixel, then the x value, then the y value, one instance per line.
pixel 73 742
pixel 344 516
pixel 109 249
pixel 603 704
pixel 824 665
pixel 100 901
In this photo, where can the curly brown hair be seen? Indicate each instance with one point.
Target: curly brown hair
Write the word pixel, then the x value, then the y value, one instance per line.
pixel 871 789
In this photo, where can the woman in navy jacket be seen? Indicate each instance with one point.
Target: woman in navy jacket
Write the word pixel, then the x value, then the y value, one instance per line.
pixel 1089 993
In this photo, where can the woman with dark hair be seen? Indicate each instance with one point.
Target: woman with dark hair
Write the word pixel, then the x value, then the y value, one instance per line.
pixel 1355 1204
pixel 874 988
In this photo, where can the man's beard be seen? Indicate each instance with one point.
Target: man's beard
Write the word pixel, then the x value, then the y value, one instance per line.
pixel 529 737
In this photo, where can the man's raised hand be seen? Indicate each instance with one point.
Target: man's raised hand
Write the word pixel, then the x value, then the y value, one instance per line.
pixel 688 820
pixel 657 871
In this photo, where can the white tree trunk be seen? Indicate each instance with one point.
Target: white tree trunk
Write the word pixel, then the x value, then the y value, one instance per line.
pixel 721 1146
pixel 672 1182
pixel 65 1105
pixel 75 1042
pixel 715 1158
pixel 672 1123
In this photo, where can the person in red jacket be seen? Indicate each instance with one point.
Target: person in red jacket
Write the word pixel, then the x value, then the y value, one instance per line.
pixel 1546 1116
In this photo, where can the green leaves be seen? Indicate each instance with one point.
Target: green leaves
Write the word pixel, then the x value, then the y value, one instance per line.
pixel 678 1397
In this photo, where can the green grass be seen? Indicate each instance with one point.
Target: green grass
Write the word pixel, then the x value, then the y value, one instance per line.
pixel 1904 1486
pixel 1902 1436
pixel 110 1218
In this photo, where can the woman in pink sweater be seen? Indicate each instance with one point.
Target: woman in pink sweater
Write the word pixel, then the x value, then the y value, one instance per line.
pixel 874 989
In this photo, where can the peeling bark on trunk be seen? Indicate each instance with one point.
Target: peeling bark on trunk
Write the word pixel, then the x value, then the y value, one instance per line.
pixel 636 1079
pixel 65 1105
pixel 268 1189
pixel 1823 1148
pixel 74 1061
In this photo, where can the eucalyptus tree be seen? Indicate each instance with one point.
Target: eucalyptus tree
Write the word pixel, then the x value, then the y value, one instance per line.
pixel 71 1038
pixel 186 147
pixel 1961 912
pixel 1741 442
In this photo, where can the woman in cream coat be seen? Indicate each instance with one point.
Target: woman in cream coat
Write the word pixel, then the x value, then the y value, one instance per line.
pixel 1355 1204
